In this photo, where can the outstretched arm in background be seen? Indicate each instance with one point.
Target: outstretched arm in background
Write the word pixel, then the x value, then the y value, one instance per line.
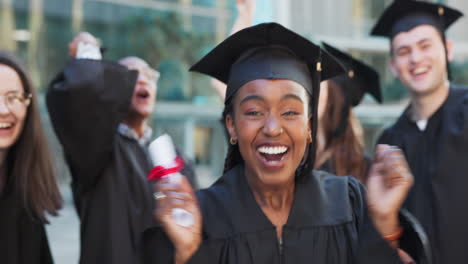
pixel 245 17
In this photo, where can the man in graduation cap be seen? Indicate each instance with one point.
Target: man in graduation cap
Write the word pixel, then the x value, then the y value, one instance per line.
pixel 100 111
pixel 433 130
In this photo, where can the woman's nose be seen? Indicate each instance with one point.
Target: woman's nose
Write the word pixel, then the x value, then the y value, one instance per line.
pixel 3 106
pixel 272 127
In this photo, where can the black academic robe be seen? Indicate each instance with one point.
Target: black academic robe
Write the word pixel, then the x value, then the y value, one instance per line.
pixel 328 223
pixel 438 158
pixel 23 239
pixel 86 102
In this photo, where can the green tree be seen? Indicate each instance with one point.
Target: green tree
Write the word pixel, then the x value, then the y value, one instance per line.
pixel 160 37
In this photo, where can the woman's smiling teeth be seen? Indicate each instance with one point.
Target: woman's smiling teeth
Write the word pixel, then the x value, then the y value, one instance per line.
pixel 5 125
pixel 272 150
pixel 273 155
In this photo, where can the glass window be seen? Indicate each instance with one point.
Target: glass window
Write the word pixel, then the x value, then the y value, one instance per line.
pixel 208 3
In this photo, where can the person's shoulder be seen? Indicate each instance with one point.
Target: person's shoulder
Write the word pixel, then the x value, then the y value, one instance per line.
pixel 401 122
pixel 391 133
pixel 341 196
pixel 228 207
pixel 347 189
pixel 456 105
pixel 221 194
pixel 458 93
pixel 218 191
pixel 337 185
pixel 387 134
pixel 328 180
pixel 459 88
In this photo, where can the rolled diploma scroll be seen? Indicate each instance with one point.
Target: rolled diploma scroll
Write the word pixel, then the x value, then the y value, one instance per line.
pixel 163 153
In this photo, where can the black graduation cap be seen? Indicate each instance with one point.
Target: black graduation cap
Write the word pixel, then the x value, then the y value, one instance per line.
pixel 358 79
pixel 270 51
pixel 267 51
pixel 403 15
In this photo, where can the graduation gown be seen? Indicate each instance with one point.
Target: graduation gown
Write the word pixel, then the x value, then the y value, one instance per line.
pixel 438 158
pixel 86 103
pixel 328 223
pixel 23 238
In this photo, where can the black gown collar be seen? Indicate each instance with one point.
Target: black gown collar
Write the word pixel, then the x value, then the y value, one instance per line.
pixel 406 117
pixel 321 199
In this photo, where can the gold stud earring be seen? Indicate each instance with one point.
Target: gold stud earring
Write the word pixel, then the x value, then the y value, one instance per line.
pixel 233 141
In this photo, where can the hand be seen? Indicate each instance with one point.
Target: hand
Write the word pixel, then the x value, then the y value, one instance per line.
pixel 388 184
pixel 246 8
pixel 405 257
pixel 186 240
pixel 81 37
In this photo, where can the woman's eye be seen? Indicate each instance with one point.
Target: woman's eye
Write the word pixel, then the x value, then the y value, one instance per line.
pixel 290 113
pixel 14 99
pixel 253 113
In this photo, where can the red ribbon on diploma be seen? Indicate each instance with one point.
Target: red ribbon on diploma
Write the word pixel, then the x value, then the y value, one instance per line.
pixel 160 171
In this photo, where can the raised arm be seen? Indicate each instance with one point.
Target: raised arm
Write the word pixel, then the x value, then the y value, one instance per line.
pixel 383 226
pixel 245 17
pixel 86 102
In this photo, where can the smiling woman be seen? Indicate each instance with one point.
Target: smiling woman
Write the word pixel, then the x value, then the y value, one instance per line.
pixel 270 122
pixel 27 185
pixel 13 107
pixel 270 206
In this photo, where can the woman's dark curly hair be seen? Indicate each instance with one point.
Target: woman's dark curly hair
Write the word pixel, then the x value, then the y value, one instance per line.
pixel 233 157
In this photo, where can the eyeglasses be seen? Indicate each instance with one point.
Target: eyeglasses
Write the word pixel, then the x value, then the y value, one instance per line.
pixel 148 74
pixel 17 102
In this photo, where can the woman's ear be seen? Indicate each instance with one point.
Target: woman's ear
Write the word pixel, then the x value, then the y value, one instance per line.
pixel 309 129
pixel 393 68
pixel 449 45
pixel 309 123
pixel 230 127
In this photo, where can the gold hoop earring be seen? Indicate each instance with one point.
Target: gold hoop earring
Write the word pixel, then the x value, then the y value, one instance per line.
pixel 233 141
